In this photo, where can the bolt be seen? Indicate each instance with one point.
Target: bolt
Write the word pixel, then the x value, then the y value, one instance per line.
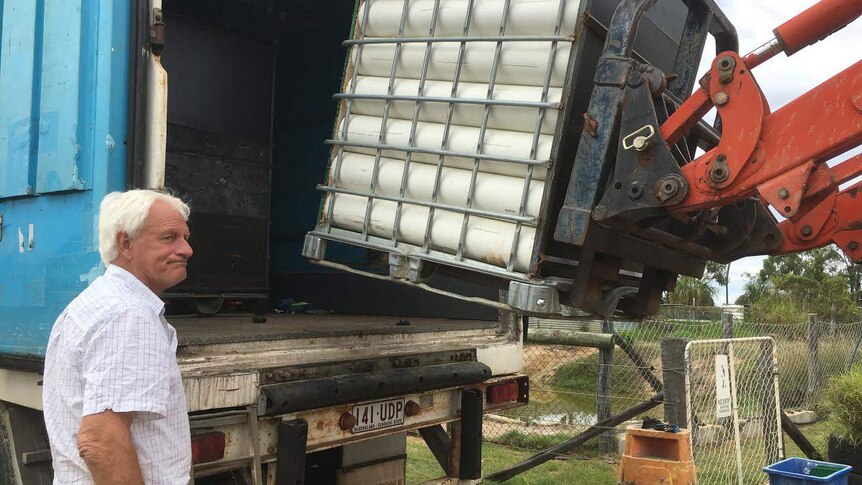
pixel 720 98
pixel 726 65
pixel 807 230
pixel 853 246
pixel 540 303
pixel 783 193
pixel 719 172
pixel 412 408
pixel 670 187
pixel 347 421
pixel 640 143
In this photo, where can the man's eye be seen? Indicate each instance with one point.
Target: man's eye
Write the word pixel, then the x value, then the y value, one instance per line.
pixel 168 238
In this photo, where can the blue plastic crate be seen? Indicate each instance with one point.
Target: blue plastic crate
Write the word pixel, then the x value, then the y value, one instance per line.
pixel 802 471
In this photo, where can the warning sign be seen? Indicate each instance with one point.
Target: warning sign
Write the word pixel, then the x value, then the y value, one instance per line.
pixel 723 401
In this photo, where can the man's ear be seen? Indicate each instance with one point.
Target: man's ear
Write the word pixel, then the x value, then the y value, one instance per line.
pixel 124 245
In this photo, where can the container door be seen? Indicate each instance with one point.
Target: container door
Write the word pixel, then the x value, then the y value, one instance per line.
pixel 63 107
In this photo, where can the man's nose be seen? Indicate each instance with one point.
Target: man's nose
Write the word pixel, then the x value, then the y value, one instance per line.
pixel 185 249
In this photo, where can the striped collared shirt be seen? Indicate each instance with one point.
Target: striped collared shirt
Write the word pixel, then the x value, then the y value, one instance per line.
pixel 112 348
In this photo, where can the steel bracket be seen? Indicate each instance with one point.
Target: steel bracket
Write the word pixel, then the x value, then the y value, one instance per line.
pixel 314 247
pixel 292 444
pixel 529 298
pixel 646 176
pixel 439 443
pixel 156 35
pixel 470 464
pixel 761 234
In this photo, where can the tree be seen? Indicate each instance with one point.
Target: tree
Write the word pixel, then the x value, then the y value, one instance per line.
pixel 821 281
pixel 720 273
pixel 699 291
pixel 692 290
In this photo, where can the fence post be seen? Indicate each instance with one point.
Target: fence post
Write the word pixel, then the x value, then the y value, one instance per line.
pixel 673 373
pixel 813 358
pixel 607 441
pixel 768 405
pixel 726 330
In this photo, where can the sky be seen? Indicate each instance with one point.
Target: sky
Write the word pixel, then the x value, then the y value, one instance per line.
pixel 783 78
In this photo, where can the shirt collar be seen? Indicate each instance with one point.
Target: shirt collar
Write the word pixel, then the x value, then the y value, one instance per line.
pixel 137 287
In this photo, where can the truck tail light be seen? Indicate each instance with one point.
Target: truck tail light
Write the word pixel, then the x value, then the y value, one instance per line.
pixel 208 447
pixel 511 391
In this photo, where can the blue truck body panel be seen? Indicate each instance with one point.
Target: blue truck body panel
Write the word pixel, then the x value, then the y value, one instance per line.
pixel 64 68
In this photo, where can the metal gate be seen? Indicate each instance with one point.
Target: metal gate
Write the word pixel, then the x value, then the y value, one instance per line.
pixel 733 409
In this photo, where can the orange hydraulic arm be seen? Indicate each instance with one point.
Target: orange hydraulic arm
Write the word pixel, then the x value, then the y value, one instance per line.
pixel 781 157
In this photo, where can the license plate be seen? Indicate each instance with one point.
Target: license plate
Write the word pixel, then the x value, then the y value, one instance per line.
pixel 380 414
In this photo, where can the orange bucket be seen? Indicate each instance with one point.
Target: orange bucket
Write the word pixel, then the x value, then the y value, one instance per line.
pixel 652 457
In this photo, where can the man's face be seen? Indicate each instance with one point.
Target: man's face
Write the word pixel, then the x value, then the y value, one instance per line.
pixel 158 256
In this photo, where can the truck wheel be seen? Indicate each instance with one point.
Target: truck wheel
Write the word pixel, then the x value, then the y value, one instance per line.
pixel 22 431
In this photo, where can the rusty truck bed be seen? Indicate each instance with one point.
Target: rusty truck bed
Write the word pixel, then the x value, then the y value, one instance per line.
pixel 226 329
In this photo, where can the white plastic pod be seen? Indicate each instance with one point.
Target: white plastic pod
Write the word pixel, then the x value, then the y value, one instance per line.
pixel 510 144
pixel 513 118
pixel 487 240
pixel 526 17
pixel 495 193
pixel 520 63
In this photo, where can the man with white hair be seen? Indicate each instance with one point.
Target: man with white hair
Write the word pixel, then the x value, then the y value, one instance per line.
pixel 113 397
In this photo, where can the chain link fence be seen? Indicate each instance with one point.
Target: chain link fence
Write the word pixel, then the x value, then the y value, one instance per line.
pixel 733 411
pixel 573 387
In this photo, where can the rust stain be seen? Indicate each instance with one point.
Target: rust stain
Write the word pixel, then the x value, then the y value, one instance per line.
pixel 590 125
pixel 494 259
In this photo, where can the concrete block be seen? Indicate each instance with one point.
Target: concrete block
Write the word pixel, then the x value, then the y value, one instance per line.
pixel 802 417
pixel 710 435
pixel 751 429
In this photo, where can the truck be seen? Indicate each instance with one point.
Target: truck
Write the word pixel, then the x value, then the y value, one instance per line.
pixel 366 264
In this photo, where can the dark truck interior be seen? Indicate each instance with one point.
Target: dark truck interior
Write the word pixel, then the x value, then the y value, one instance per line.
pixel 249 107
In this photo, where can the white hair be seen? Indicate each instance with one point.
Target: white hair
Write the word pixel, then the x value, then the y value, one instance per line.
pixel 126 212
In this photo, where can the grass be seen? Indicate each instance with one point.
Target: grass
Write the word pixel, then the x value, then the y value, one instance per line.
pixel 582 375
pixel 422 467
pixel 843 399
pixel 817 433
pixel 518 439
pixel 591 468
pixel 793 362
pixel 690 330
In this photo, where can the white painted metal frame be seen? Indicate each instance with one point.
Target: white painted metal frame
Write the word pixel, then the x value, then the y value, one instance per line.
pixel 508 264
